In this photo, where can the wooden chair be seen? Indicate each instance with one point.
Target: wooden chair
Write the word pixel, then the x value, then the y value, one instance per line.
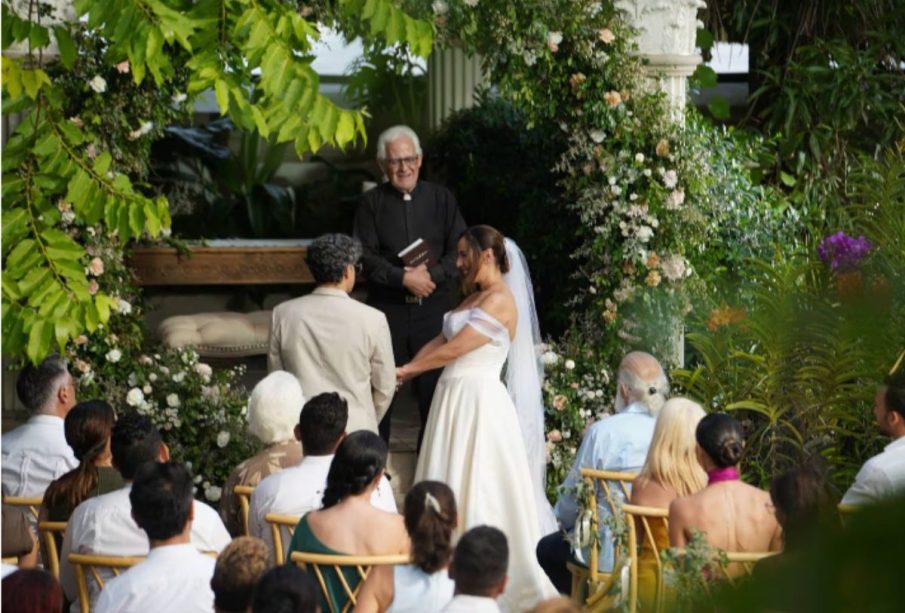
pixel 741 564
pixel 93 564
pixel 243 493
pixel 614 487
pixel 318 563
pixel 49 532
pixel 643 525
pixel 30 503
pixel 278 523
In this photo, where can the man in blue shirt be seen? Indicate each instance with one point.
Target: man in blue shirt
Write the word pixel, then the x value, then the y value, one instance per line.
pixel 617 443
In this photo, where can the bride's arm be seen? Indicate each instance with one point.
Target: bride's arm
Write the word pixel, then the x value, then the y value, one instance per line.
pixel 468 339
pixel 430 346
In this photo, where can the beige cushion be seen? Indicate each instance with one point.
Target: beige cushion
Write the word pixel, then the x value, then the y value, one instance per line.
pixel 224 334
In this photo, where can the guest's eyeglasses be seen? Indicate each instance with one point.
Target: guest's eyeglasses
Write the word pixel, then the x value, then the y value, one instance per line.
pixel 399 162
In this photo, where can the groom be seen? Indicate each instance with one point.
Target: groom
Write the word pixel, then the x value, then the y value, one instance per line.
pixel 389 218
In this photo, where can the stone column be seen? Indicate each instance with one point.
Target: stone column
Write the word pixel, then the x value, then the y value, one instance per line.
pixel 666 38
pixel 452 78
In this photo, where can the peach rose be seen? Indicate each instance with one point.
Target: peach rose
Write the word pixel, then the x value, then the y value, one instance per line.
pixel 559 402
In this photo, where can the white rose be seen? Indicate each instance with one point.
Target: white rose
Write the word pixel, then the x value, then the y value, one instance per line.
pixel 639 157
pixel 674 267
pixel 123 306
pixel 550 358
pixel 670 178
pixel 570 364
pixel 222 439
pixel 98 84
pixel 164 369
pixel 645 233
pixel 132 379
pixel 134 398
pixel 597 136
pixel 173 400
pixel 212 493
pixel 204 369
pixel 152 377
pixel 179 98
pixel 147 389
pixel 471 3
pixel 440 7
pixel 114 355
pixel 179 376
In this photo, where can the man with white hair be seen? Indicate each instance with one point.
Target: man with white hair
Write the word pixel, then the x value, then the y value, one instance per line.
pixel 273 409
pixel 36 453
pixel 390 218
pixel 618 443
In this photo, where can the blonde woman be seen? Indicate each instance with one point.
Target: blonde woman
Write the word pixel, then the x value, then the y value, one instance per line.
pixel 671 470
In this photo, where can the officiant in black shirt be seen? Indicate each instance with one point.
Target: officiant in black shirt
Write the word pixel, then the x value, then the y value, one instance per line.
pixel 389 219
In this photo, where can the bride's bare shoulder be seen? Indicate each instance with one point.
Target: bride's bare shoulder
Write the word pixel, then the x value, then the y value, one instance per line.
pixel 499 303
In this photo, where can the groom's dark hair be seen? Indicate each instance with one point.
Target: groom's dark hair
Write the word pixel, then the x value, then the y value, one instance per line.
pixel 480 561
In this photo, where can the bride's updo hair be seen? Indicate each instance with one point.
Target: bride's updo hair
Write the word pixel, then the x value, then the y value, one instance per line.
pixel 359 459
pixel 722 438
pixel 478 239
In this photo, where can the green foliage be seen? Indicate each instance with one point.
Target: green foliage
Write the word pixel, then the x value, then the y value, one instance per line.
pixel 691 574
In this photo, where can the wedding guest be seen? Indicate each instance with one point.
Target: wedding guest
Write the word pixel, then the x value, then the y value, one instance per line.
pixel 733 515
pixel 87 426
pixel 36 453
pixel 272 410
pixel 423 585
pixel 175 576
pixel 883 476
pixel 349 524
pixel 479 570
pixel 105 525
pixel 389 218
pixel 236 574
pixel 17 539
pixel 671 470
pixel 300 489
pixel 286 589
pixel 332 342
pixel 618 443
pixel 804 506
pixel 31 591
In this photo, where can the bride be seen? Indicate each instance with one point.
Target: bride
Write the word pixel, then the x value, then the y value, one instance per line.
pixel 476 441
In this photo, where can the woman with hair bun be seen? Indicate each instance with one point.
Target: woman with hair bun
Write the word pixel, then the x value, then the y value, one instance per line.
pixel 348 524
pixel 733 515
pixel 423 585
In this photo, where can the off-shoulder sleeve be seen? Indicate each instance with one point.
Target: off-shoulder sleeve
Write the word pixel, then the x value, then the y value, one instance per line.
pixel 488 325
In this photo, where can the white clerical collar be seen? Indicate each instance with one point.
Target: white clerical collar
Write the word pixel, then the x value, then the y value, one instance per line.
pixel 407 197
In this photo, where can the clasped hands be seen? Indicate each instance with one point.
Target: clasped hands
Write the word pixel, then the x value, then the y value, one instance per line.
pixel 403 374
pixel 418 281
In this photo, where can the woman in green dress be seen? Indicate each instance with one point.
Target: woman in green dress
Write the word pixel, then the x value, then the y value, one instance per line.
pixel 348 524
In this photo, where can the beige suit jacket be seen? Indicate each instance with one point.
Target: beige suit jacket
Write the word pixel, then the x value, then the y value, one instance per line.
pixel 333 343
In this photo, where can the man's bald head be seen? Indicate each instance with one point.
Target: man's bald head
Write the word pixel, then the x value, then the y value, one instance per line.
pixel 641 379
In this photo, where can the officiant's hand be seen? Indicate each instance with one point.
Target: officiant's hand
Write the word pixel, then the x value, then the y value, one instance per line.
pixel 418 281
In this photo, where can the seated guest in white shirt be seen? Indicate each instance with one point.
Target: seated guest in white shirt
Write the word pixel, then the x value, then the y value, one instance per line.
pixel 883 476
pixel 300 489
pixel 618 443
pixel 104 524
pixel 36 453
pixel 479 569
pixel 285 589
pixel 430 518
pixel 273 412
pixel 238 569
pixel 175 576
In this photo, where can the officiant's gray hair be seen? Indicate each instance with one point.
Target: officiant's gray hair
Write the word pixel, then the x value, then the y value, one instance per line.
pixel 644 382
pixel 390 134
pixel 274 407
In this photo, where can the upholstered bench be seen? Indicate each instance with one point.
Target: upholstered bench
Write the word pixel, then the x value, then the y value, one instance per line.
pixel 218 335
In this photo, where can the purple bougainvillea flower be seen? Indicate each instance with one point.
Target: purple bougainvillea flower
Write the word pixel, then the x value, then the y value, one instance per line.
pixel 843 252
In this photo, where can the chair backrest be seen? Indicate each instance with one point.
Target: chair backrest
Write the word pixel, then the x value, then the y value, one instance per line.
pixel 279 523
pixel 644 525
pixel 50 532
pixel 320 565
pixel 615 487
pixel 91 564
pixel 243 494
pixel 31 503
pixel 741 564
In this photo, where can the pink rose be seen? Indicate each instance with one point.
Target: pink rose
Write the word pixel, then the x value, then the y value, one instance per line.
pixel 606 36
pixel 554 436
pixel 559 402
pixel 96 267
pixel 123 67
pixel 93 287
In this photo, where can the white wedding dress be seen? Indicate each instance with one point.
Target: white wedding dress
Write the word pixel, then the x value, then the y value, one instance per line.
pixel 474 444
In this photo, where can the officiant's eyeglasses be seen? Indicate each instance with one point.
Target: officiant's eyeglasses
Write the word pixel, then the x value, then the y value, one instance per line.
pixel 398 162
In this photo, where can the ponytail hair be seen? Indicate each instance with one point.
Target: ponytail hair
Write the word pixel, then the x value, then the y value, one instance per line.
pixel 87 427
pixel 722 438
pixel 359 460
pixel 430 518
